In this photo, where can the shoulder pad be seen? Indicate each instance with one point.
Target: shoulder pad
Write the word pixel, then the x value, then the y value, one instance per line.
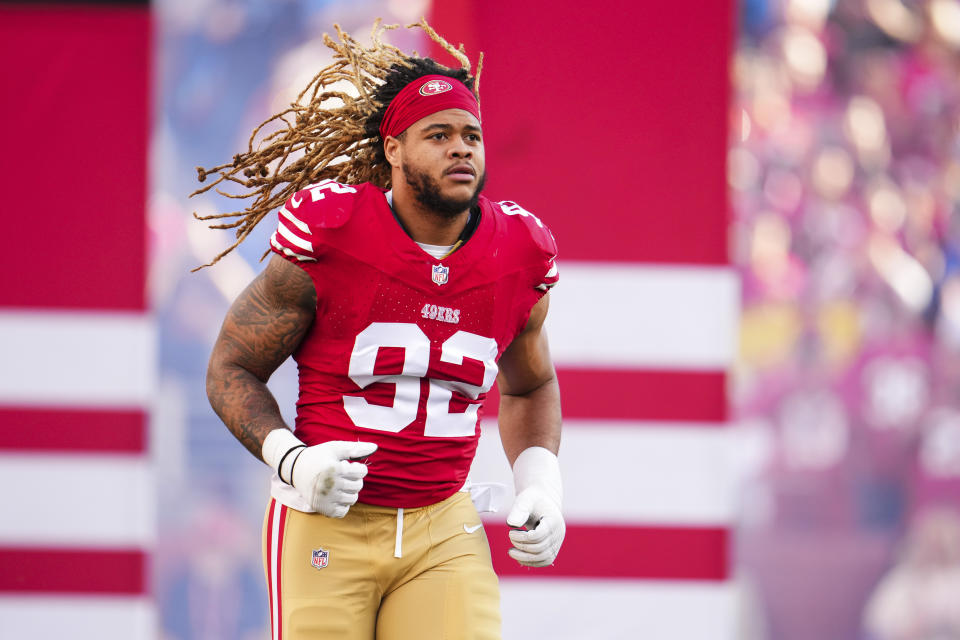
pixel 539 232
pixel 325 205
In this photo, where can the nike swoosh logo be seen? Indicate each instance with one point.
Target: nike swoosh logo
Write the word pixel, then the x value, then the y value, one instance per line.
pixel 471 529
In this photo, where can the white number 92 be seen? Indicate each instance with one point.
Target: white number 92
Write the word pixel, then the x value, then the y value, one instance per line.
pixel 440 422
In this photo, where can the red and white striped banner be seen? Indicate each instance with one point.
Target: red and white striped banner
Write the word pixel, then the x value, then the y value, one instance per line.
pixel 610 124
pixel 77 347
pixel 649 493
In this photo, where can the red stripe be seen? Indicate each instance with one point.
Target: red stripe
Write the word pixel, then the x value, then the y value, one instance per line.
pixel 73 430
pixel 75 571
pixel 283 525
pixel 623 551
pixel 609 394
pixel 457 22
pixel 294 231
pixel 659 195
pixel 89 247
pixel 270 561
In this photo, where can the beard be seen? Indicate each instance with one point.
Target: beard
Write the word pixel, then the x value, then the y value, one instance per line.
pixel 427 192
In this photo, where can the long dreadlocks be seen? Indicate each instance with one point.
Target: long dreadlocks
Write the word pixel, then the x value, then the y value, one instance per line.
pixel 317 138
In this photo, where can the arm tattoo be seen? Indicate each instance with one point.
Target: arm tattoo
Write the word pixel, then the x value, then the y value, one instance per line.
pixel 264 326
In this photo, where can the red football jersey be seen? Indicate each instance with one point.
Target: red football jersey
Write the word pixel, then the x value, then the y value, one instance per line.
pixel 405 347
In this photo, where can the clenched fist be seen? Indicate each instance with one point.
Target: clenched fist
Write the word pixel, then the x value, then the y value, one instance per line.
pixel 323 474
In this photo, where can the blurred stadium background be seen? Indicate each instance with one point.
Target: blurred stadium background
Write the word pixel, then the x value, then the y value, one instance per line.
pixel 757 327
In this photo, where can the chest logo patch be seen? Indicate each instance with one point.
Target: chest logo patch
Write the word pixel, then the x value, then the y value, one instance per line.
pixel 320 558
pixel 441 274
pixel 441 314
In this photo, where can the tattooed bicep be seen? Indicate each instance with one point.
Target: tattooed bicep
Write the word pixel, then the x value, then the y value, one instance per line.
pixel 286 284
pixel 268 319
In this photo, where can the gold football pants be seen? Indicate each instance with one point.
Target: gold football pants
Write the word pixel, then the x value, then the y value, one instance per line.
pixel 381 573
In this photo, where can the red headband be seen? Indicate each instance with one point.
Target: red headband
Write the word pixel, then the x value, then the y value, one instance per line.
pixel 425 96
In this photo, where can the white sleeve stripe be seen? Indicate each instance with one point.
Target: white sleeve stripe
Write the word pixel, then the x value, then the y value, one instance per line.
pixel 299 224
pixel 294 239
pixel 551 277
pixel 287 252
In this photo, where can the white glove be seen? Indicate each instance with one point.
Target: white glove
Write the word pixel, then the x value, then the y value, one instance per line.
pixel 323 473
pixel 536 474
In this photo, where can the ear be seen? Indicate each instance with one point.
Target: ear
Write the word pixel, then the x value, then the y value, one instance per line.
pixel 393 150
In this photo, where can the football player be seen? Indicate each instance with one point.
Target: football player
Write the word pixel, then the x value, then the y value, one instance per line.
pixel 403 294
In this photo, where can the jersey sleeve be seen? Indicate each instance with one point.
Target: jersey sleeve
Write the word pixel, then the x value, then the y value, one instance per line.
pixel 300 221
pixel 293 238
pixel 551 277
pixel 544 247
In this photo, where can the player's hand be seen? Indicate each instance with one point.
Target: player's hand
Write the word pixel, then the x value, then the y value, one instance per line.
pixel 537 526
pixel 539 544
pixel 325 476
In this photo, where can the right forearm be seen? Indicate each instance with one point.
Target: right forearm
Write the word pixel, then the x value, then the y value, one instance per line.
pixel 245 405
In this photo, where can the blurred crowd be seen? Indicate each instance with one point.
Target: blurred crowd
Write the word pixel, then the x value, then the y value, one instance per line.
pixel 844 174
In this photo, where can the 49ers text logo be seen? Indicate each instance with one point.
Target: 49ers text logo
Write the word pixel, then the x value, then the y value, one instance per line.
pixel 434 87
pixel 442 314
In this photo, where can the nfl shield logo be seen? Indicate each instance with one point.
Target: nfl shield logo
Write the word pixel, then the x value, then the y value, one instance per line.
pixel 320 558
pixel 440 273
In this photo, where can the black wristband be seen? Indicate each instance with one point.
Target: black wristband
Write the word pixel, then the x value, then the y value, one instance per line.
pixel 294 464
pixel 280 466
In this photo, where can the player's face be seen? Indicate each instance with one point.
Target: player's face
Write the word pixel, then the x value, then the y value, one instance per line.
pixel 443 161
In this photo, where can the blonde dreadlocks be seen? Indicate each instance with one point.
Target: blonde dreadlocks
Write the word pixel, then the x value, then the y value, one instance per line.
pixel 318 139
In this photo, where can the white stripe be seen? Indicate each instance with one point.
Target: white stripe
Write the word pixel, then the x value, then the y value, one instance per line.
pixel 398 544
pixel 57 358
pixel 86 618
pixel 88 501
pixel 632 472
pixel 562 609
pixel 644 316
pixel 299 224
pixel 275 561
pixel 306 245
pixel 288 252
pixel 553 270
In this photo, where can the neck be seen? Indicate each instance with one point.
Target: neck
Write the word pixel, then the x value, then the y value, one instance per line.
pixel 426 225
